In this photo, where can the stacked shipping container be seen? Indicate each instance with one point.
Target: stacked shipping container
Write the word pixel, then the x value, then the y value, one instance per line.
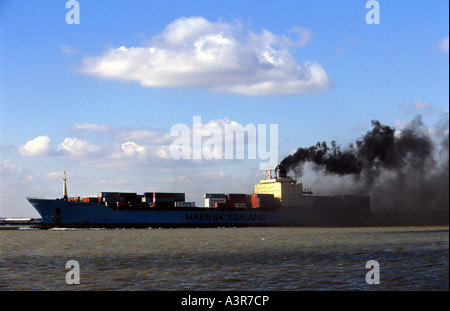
pixel 123 200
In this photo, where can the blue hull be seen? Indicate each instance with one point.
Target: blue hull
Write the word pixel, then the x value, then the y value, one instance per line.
pixel 61 213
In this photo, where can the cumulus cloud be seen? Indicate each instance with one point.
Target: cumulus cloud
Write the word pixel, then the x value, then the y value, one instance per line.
pixel 129 147
pixel 217 56
pixel 78 147
pixel 38 146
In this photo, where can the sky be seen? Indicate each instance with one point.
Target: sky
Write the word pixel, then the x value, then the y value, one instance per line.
pixel 103 98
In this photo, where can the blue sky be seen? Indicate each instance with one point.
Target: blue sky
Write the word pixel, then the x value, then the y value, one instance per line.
pixel 314 68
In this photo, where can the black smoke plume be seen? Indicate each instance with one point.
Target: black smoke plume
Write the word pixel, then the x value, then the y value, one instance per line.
pixel 401 170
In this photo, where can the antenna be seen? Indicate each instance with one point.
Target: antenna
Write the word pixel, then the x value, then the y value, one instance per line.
pixel 65 186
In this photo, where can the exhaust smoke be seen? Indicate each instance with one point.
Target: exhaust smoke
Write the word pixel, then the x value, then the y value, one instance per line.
pixel 401 170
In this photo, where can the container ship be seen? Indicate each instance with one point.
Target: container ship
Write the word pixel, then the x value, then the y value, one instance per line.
pixel 277 200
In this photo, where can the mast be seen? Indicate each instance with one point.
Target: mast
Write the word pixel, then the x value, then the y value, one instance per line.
pixel 65 186
pixel 270 173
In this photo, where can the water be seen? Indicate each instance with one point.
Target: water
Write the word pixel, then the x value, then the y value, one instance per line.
pixel 253 259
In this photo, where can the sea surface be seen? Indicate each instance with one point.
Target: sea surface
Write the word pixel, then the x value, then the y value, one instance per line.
pixel 225 259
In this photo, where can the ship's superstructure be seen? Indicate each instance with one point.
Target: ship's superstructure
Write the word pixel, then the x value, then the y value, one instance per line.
pixel 284 188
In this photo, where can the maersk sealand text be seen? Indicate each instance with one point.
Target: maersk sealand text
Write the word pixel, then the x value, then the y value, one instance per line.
pixel 230 217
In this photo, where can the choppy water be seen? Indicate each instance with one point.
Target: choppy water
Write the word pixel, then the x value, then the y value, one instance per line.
pixel 256 259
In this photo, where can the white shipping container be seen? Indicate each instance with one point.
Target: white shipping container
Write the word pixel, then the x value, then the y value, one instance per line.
pixel 211 202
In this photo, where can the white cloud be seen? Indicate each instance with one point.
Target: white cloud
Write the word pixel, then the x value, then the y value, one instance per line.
pixel 131 149
pixel 162 152
pixel 78 147
pixel 131 154
pixel 196 53
pixel 38 146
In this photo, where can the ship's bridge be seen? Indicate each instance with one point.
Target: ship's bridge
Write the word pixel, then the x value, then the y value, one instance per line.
pixel 282 187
